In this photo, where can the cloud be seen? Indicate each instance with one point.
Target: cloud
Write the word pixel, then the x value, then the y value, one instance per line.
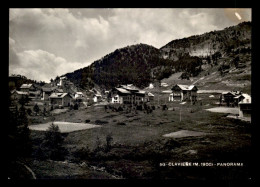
pixel 81 36
pixel 42 65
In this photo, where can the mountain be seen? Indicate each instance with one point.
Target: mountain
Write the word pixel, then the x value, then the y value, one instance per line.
pixel 215 52
pixel 131 64
pixel 223 42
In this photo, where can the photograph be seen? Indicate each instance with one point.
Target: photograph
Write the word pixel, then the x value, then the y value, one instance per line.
pixel 130 93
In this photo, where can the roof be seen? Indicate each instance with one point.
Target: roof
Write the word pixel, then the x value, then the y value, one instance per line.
pixel 225 93
pixel 122 90
pixel 22 93
pixel 58 95
pixel 59 90
pixel 185 87
pixel 150 94
pixel 49 89
pixel 238 96
pixel 129 87
pixel 140 93
pixel 26 86
pixel 79 93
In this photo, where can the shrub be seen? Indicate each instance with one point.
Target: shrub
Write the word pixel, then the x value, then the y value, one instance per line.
pixel 29 111
pixel 98 145
pixel 87 121
pixel 121 123
pixel 139 107
pixel 82 153
pixel 36 109
pixel 164 107
pixel 100 122
pixel 109 140
pixel 76 107
pixel 120 109
pixel 171 144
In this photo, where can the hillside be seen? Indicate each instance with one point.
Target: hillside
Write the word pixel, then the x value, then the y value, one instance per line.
pixel 223 53
pixel 131 64
pixel 225 41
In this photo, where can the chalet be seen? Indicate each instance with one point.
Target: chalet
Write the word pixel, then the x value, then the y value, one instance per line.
pixel 79 95
pixel 127 94
pixel 231 98
pixel 245 106
pixel 47 91
pixel 61 99
pixel 120 95
pixel 27 88
pixel 16 95
pixel 183 93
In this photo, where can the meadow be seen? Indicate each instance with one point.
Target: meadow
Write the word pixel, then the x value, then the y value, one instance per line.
pixel 138 146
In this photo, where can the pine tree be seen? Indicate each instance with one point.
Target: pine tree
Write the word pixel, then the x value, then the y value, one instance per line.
pixel 53 143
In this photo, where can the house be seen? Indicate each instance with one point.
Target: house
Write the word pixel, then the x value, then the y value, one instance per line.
pixel 97 98
pixel 231 98
pixel 183 93
pixel 127 94
pixel 79 95
pixel 16 95
pixel 245 106
pixel 27 88
pixel 35 94
pixel 46 92
pixel 163 84
pixel 120 95
pixel 62 81
pixel 151 86
pixel 61 99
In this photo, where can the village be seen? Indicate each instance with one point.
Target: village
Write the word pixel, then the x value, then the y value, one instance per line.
pixel 130 93
pixel 172 121
pixel 62 94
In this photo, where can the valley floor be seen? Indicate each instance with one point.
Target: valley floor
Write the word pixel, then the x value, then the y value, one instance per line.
pixel 139 147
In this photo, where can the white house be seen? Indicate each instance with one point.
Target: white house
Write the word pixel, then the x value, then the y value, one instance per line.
pixel 245 106
pixel 183 92
pixel 62 80
pixel 97 98
pixel 127 94
pixel 151 86
pixel 78 95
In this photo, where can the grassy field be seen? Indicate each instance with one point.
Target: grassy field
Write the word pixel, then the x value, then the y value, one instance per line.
pixel 138 145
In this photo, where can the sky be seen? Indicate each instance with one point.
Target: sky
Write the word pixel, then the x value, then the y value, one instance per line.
pixel 45 43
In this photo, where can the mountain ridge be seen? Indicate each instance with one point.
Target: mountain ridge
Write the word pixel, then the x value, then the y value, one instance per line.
pixel 142 63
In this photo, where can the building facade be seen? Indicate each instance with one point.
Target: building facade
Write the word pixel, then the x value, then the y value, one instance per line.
pixel 183 93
